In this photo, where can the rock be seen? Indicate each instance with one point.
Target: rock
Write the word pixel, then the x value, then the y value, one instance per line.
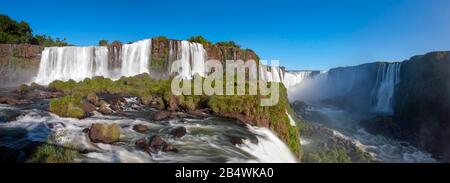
pixel 197 113
pixel 161 115
pixel 169 148
pixel 172 103
pixel 178 132
pixel 13 101
pixel 35 86
pixel 143 144
pixel 104 133
pixel 88 107
pixel 156 142
pixel 7 115
pixel 140 128
pixel 105 110
pixel 49 94
pixel 85 130
pixel 236 140
pixel 93 99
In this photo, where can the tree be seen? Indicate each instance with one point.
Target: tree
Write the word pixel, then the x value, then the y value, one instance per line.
pixel 103 42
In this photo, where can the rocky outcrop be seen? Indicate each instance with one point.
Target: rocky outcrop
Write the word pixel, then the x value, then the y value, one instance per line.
pixel 18 63
pixel 422 103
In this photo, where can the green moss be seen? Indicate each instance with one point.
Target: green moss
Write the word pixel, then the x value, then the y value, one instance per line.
pixel 327 155
pixel 22 89
pixel 68 106
pixel 148 89
pixel 48 153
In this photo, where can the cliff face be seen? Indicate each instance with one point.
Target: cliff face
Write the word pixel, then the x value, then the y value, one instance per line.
pixel 18 63
pixel 422 106
pixel 352 87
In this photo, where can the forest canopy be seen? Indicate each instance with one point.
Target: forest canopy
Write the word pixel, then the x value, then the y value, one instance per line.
pixel 13 32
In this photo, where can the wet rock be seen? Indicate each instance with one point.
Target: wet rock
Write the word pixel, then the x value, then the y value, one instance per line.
pixel 178 132
pixel 197 113
pixel 88 107
pixel 9 115
pixel 162 115
pixel 49 94
pixel 156 142
pixel 13 101
pixel 104 133
pixel 143 144
pixel 85 130
pixel 236 140
pixel 105 110
pixel 140 128
pixel 172 103
pixel 169 148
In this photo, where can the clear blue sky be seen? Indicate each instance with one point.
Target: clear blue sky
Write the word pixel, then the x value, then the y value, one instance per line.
pixel 302 34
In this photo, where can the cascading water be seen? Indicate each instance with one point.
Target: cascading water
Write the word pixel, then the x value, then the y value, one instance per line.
pixel 294 78
pixel 192 57
pixel 387 77
pixel 77 63
pixel 136 57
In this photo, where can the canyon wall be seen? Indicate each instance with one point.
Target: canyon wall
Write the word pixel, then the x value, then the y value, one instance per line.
pixel 422 103
pixel 18 63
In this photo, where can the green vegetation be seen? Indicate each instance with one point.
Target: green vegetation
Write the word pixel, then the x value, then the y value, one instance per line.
pixel 201 40
pixel 246 108
pixel 228 44
pixel 13 32
pixel 49 153
pixel 103 42
pixel 327 155
pixel 68 106
pixel 22 89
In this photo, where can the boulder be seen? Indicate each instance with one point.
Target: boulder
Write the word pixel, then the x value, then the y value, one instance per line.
pixel 88 107
pixel 162 115
pixel 156 142
pixel 104 133
pixel 140 128
pixel 169 148
pixel 178 132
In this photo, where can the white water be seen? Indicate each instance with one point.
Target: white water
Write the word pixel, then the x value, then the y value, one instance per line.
pixel 77 63
pixel 206 140
pixel 294 78
pixel 269 149
pixel 291 120
pixel 192 57
pixel 136 57
pixel 387 77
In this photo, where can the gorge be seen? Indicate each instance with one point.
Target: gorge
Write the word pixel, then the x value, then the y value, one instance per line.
pixel 392 112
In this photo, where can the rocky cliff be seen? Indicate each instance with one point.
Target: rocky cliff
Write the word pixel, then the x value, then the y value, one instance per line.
pixel 422 106
pixel 18 63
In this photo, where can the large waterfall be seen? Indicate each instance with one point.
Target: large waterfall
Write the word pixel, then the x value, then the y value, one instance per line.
pixel 136 57
pixel 77 63
pixel 64 63
pixel 296 77
pixel 387 77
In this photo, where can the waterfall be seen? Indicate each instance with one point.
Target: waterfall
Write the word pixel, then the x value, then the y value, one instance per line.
pixel 387 77
pixel 77 63
pixel 136 57
pixel 294 78
pixel 192 57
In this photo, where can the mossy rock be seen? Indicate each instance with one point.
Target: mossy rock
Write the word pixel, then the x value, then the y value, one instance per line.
pixel 104 133
pixel 68 106
pixel 49 153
